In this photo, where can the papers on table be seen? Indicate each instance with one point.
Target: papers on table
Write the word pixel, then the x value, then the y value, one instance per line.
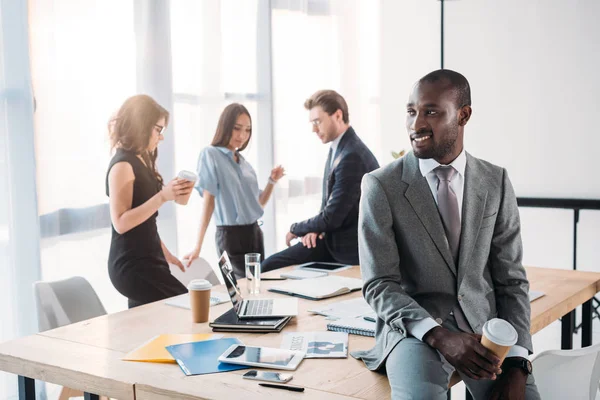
pixel 317 344
pixel 535 294
pixel 344 309
pixel 183 301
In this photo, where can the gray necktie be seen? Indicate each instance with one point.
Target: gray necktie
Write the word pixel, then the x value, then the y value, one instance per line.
pixel 325 176
pixel 448 207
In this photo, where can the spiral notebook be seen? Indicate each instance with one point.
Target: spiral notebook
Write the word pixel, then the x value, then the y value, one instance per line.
pixel 355 326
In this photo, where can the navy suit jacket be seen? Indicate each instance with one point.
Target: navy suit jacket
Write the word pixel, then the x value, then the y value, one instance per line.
pixel 339 218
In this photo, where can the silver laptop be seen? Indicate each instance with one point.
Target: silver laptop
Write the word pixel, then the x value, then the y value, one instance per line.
pixel 255 308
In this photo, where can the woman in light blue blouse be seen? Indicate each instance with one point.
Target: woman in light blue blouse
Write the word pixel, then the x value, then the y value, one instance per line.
pixel 228 184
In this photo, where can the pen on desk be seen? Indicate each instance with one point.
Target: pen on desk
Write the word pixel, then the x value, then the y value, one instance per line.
pixel 369 319
pixel 291 388
pixel 273 279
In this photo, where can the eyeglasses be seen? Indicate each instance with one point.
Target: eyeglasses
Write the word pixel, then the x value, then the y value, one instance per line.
pixel 160 128
pixel 315 122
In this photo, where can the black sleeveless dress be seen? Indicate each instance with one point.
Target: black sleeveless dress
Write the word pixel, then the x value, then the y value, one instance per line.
pixel 136 263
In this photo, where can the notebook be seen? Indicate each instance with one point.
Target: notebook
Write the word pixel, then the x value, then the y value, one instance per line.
pixel 154 349
pixel 198 358
pixel 355 326
pixel 344 309
pixel 230 322
pixel 183 301
pixel 535 294
pixel 317 344
pixel 319 288
pixel 303 274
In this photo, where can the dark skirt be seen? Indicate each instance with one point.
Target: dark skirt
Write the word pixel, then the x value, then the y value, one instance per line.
pixel 239 240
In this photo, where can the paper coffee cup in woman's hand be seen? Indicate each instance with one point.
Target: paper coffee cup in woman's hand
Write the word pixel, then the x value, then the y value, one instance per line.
pixel 499 336
pixel 188 176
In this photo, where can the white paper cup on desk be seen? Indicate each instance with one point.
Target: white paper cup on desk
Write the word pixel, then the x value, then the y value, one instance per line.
pixel 499 336
pixel 199 290
pixel 253 272
pixel 188 176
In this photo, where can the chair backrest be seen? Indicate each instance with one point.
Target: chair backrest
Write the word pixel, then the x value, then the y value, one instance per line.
pixel 199 269
pixel 65 302
pixel 568 374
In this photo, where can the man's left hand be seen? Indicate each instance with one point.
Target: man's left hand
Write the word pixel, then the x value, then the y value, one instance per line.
pixel 510 385
pixel 310 239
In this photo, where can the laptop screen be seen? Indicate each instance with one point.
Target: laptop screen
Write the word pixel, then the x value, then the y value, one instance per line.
pixel 230 282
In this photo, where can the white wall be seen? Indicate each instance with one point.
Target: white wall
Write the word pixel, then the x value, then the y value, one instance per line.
pixel 533 68
pixel 410 47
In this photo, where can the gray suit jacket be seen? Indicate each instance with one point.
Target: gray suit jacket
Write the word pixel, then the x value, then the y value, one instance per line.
pixel 405 260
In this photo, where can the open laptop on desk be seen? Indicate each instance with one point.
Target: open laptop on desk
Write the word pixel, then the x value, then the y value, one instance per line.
pixel 255 308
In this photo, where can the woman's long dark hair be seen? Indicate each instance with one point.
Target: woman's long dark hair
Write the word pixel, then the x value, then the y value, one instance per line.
pixel 227 121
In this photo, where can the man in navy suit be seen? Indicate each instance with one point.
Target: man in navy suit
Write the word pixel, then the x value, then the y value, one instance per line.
pixel 331 235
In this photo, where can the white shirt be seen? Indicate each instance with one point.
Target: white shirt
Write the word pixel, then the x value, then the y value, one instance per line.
pixel 418 329
pixel 334 146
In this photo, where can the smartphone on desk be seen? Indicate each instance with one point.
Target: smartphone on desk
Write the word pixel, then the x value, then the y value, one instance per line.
pixel 267 376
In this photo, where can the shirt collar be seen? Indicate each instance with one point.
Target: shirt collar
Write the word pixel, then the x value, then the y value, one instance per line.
pixel 429 164
pixel 335 143
pixel 229 153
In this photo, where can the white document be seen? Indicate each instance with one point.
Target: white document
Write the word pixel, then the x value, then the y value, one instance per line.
pixel 344 309
pixel 302 274
pixel 319 288
pixel 535 294
pixel 317 344
pixel 183 301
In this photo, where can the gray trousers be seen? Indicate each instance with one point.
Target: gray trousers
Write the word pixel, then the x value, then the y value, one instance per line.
pixel 417 371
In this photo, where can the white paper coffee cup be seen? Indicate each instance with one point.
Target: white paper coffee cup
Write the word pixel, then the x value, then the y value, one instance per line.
pixel 499 336
pixel 199 290
pixel 188 176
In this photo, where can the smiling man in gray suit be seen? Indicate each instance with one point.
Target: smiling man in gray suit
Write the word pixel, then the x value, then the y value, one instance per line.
pixel 440 253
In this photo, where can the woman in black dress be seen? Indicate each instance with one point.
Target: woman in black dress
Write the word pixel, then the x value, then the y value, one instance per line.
pixel 138 260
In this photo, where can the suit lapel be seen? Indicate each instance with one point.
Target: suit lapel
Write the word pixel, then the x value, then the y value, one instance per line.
pixel 474 198
pixel 348 136
pixel 420 198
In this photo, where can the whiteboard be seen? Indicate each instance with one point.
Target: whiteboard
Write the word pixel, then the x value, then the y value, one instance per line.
pixel 534 70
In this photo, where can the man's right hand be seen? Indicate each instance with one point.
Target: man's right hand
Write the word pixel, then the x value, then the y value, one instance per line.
pixel 289 237
pixel 465 352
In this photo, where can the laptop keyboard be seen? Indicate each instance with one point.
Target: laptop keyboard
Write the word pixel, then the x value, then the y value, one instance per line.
pixel 259 307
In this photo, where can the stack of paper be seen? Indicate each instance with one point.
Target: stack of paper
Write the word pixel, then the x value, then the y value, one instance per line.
pixel 317 344
pixel 344 309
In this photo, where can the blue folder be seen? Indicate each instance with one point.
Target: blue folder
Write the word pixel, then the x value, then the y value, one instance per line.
pixel 198 358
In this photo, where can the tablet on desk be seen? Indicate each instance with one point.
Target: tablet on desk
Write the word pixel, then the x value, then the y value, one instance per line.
pixel 265 357
pixel 324 266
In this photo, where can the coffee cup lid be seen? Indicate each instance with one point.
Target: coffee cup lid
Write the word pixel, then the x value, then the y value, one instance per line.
pixel 187 175
pixel 199 284
pixel 500 332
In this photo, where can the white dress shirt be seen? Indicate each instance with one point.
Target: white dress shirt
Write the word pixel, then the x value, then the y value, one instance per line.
pixel 334 146
pixel 418 329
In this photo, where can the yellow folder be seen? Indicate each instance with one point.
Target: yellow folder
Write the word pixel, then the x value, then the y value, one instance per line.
pixel 154 349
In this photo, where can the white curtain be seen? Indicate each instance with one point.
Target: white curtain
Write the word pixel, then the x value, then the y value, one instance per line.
pixel 320 44
pixel 19 232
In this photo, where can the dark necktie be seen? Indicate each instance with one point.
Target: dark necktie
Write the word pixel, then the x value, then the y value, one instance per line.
pixel 325 176
pixel 448 207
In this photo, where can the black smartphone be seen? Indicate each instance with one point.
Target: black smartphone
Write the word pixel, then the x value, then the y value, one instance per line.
pixel 267 376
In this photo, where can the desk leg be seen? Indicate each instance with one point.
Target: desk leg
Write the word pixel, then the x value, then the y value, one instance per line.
pixel 586 323
pixel 26 388
pixel 567 331
pixel 89 396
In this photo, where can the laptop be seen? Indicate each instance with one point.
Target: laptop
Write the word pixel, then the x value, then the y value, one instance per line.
pixel 255 308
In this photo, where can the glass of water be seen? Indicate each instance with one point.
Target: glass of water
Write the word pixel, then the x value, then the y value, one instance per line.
pixel 253 272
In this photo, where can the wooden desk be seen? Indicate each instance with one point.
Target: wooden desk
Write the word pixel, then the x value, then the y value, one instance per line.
pixel 94 348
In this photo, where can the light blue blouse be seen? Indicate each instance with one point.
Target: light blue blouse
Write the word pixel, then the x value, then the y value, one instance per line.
pixel 234 186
